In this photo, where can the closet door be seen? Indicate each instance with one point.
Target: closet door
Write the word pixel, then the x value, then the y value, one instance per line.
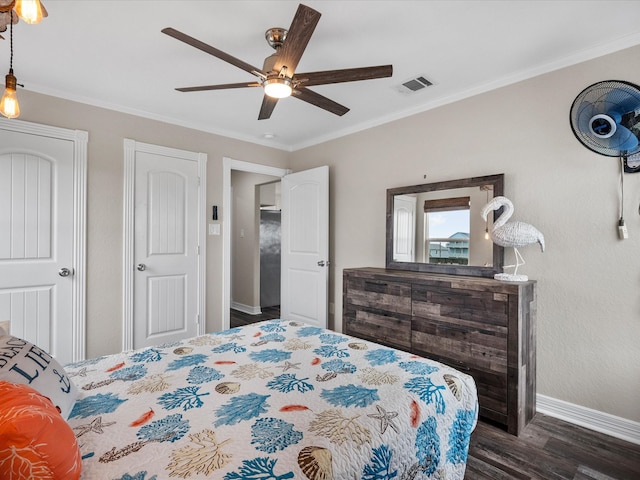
pixel 38 244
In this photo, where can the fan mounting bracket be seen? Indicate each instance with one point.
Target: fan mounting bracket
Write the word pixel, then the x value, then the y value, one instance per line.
pixel 275 37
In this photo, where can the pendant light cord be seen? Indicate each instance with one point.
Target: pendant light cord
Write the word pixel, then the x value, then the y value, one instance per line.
pixel 11 39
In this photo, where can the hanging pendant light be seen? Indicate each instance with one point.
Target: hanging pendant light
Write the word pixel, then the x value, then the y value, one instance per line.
pixel 9 106
pixel 486 188
pixel 30 11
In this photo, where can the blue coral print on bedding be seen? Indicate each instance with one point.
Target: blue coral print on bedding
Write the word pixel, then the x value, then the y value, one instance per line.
pixel 275 400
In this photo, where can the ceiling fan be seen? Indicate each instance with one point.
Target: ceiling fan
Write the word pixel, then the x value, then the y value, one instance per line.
pixel 278 75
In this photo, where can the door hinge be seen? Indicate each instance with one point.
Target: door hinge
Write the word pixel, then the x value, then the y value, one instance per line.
pixel 198 250
pixel 198 319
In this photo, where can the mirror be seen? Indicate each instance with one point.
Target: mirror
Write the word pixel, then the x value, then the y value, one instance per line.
pixel 437 227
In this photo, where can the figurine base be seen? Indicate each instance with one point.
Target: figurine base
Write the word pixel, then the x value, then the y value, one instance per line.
pixel 509 277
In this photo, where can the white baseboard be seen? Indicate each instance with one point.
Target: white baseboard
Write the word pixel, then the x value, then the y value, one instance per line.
pixel 618 427
pixel 251 310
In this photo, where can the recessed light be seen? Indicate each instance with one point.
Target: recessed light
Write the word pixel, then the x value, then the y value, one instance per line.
pixel 269 136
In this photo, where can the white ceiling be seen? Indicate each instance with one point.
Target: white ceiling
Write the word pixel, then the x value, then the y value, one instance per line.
pixel 112 54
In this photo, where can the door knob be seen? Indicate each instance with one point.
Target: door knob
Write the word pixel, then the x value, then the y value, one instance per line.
pixel 322 263
pixel 64 272
pixel 141 267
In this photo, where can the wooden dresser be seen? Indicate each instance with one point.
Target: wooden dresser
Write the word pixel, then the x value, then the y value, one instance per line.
pixel 480 326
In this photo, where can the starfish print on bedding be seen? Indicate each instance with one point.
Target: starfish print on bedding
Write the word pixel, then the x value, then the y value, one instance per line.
pixel 95 426
pixel 386 419
pixel 289 365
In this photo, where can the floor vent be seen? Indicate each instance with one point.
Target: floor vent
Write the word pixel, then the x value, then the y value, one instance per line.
pixel 415 84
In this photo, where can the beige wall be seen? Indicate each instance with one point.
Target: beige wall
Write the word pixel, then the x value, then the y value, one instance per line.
pixel 105 180
pixel 588 280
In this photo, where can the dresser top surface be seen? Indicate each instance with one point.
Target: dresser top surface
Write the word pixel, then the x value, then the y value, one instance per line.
pixel 404 275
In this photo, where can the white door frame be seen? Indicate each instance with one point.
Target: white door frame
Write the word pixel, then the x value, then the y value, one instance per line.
pixel 80 139
pixel 229 164
pixel 130 149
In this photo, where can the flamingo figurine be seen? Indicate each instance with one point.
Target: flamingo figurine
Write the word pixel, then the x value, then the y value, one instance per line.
pixel 511 234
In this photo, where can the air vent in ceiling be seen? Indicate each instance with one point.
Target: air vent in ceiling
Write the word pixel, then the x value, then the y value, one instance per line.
pixel 415 84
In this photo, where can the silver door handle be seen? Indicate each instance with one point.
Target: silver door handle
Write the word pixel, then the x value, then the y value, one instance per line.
pixel 141 267
pixel 64 272
pixel 322 263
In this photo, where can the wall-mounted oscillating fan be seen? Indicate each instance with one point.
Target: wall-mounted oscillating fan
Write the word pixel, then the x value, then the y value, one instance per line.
pixel 605 118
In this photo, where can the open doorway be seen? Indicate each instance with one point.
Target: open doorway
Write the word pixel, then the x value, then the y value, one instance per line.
pixel 305 241
pixel 255 247
pixel 232 239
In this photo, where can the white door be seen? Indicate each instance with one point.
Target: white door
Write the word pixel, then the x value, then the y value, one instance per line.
pixel 166 248
pixel 38 271
pixel 305 246
pixel 404 230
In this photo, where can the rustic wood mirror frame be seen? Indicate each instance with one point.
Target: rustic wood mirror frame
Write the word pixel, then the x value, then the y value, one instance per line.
pixel 497 181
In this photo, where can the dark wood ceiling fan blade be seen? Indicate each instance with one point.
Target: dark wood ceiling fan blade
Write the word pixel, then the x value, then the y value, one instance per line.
pixel 183 37
pixel 345 75
pixel 268 104
pixel 302 26
pixel 218 87
pixel 318 100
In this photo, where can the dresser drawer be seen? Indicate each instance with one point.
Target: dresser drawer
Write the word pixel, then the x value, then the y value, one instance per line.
pixel 466 343
pixel 391 329
pixel 462 303
pixel 387 296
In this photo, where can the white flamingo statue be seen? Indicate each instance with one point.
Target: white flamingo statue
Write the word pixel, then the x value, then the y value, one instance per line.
pixel 512 234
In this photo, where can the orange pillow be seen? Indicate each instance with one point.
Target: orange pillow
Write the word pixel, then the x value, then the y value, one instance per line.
pixel 35 441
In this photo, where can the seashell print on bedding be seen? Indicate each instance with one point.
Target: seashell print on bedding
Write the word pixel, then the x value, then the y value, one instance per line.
pixel 228 388
pixel 454 384
pixel 183 350
pixel 315 463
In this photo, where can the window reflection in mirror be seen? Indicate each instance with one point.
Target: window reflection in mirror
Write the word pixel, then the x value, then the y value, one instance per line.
pixel 447 236
pixel 438 228
pixel 411 234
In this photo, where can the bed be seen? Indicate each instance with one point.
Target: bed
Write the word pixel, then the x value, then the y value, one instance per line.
pixel 273 400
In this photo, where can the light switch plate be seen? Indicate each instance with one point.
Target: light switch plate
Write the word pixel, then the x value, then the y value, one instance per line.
pixel 214 229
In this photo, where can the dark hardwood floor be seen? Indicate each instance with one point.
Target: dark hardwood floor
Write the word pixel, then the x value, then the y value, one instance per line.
pixel 238 318
pixel 550 449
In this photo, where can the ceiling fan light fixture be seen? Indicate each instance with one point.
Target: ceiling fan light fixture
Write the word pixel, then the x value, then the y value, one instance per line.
pixel 277 87
pixel 9 106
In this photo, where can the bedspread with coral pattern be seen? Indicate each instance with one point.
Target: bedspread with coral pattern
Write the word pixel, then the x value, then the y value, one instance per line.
pixel 273 400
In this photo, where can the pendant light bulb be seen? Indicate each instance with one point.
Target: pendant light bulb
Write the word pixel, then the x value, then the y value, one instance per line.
pixel 30 11
pixel 9 106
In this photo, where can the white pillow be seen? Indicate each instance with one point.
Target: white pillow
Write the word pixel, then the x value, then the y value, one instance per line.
pixel 24 363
